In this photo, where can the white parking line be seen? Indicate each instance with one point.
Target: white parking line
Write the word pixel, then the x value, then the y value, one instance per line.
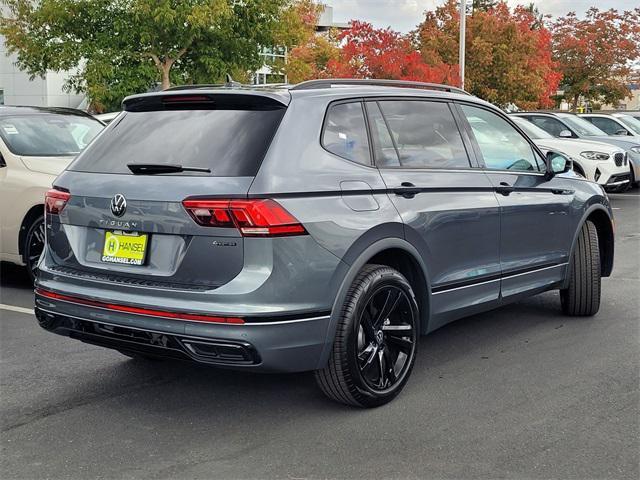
pixel 13 308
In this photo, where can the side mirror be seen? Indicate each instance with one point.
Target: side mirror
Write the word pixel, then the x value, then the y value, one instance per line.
pixel 556 163
pixel 622 131
pixel 565 134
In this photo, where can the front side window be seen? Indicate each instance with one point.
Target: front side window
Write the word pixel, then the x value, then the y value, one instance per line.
pixel 501 145
pixel 631 123
pixel 345 132
pixel 424 134
pixel 48 134
pixel 581 126
pixel 610 127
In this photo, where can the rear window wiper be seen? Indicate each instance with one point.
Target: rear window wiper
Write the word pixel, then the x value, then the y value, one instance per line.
pixel 156 168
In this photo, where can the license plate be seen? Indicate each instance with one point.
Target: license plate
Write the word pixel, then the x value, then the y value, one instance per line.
pixel 124 248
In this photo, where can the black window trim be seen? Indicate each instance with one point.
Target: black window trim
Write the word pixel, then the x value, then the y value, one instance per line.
pixel 476 146
pixel 471 157
pixel 342 101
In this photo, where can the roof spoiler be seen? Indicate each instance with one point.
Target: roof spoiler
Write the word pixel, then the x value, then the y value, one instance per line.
pixel 202 100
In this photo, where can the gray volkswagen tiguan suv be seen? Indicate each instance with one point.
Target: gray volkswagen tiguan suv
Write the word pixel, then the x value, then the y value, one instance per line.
pixel 317 227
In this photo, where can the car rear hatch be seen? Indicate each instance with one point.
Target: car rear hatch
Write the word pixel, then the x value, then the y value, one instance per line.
pixel 149 202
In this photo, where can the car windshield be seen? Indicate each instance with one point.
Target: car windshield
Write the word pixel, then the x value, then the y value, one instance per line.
pixel 582 127
pixel 630 122
pixel 48 134
pixel 533 131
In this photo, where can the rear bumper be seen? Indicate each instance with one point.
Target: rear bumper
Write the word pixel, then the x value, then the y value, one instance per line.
pixel 291 345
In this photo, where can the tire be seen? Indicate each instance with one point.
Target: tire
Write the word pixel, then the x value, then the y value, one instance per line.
pixel 33 246
pixel 377 332
pixel 582 297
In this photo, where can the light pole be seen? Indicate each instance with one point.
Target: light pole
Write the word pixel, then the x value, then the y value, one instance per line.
pixel 463 26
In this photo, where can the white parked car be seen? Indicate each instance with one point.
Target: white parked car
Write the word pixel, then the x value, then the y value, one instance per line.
pixel 599 162
pixel 36 144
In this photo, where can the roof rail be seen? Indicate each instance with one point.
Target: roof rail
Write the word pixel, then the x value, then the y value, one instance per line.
pixel 329 82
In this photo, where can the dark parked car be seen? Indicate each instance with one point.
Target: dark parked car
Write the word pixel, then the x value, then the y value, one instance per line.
pixel 312 228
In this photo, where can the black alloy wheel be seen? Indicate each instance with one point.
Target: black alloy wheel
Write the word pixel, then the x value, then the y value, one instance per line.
pixel 33 246
pixel 386 338
pixel 376 340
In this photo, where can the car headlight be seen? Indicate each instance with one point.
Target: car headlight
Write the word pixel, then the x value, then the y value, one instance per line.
pixel 635 149
pixel 589 155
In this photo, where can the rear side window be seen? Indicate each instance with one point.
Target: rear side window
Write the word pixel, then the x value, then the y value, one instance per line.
pixel 549 125
pixel 345 132
pixel 424 135
pixel 229 142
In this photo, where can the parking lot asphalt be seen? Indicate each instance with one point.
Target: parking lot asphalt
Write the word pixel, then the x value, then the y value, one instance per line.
pixel 519 392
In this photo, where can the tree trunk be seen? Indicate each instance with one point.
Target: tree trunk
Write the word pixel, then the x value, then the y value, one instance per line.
pixel 165 68
pixel 576 97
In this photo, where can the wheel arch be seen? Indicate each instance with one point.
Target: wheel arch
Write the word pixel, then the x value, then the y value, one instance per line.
pixel 393 251
pixel 33 213
pixel 603 222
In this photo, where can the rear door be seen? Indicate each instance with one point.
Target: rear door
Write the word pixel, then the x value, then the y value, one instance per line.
pixel 449 208
pixel 135 228
pixel 536 213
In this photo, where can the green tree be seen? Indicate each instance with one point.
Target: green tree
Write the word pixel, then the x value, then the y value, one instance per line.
pixel 119 47
pixel 508 55
pixel 596 53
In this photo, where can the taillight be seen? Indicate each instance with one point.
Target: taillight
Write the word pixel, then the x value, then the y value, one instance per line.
pixel 55 201
pixel 254 218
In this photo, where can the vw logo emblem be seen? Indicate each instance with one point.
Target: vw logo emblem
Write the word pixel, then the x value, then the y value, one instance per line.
pixel 118 205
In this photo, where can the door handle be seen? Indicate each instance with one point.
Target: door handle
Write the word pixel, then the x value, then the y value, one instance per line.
pixel 504 189
pixel 407 190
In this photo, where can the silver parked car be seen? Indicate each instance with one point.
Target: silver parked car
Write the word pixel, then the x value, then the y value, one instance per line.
pixel 312 228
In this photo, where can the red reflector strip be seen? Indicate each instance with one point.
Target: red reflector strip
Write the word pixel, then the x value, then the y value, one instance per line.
pixel 140 311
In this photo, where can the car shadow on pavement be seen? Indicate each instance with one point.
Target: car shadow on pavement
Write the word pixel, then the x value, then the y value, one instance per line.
pixel 13 276
pixel 193 393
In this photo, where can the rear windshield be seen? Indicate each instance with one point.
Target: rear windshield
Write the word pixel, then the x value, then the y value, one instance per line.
pixel 228 142
pixel 48 134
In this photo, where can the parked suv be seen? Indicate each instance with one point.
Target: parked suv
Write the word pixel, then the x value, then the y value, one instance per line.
pixel 568 125
pixel 323 227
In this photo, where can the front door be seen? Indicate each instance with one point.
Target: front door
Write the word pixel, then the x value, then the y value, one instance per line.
pixel 536 215
pixel 449 208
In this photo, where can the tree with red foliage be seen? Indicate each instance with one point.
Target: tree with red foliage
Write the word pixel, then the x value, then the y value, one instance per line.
pixel 368 52
pixel 595 53
pixel 508 56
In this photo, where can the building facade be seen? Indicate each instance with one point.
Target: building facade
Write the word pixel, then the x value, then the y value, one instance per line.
pixel 16 88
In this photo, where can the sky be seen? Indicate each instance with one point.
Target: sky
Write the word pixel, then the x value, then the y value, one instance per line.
pixel 404 15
